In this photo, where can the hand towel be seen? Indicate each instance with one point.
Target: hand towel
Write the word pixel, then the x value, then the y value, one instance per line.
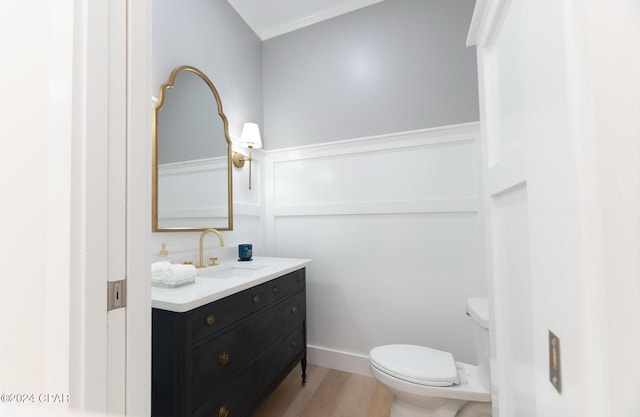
pixel 176 274
pixel 158 268
pixel 167 274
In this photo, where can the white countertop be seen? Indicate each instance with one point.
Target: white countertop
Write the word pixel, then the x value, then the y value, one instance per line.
pixel 207 289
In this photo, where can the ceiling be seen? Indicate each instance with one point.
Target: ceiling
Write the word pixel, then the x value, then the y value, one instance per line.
pixel 275 17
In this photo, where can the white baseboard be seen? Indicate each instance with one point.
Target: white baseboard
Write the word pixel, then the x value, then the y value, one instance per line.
pixel 342 361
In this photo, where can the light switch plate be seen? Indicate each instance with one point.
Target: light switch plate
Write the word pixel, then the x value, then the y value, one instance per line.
pixel 555 374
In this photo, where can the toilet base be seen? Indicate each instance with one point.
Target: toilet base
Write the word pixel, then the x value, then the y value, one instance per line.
pixel 475 409
pixel 452 408
pixel 402 408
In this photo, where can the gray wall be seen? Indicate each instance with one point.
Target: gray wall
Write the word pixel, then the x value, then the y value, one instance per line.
pixel 395 66
pixel 211 36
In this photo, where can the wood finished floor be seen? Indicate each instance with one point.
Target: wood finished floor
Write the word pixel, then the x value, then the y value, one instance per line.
pixel 327 393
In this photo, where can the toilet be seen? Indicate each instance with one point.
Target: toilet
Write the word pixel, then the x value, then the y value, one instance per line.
pixel 426 382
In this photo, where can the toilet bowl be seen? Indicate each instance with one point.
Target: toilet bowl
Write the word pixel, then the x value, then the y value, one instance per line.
pixel 427 382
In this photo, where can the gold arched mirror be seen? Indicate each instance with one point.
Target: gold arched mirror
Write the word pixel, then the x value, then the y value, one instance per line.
pixel 191 156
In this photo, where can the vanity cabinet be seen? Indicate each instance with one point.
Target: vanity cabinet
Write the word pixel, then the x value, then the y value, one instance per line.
pixel 223 358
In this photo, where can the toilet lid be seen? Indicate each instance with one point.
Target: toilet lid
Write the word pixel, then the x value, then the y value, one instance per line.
pixel 417 364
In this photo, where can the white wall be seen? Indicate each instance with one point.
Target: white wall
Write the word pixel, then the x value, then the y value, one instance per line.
pixel 211 36
pixel 394 227
pixel 390 67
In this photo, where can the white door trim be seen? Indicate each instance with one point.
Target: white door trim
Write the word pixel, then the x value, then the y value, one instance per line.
pixel 89 202
pixel 139 106
pixel 110 365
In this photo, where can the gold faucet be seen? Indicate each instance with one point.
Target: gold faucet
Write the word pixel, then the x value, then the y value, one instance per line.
pixel 202 241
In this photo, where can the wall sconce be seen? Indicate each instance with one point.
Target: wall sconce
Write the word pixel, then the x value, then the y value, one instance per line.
pixel 251 139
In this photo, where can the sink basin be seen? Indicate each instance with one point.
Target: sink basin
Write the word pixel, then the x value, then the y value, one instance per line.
pixel 227 271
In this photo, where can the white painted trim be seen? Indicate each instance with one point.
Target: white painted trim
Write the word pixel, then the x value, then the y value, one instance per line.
pixel 196 165
pixel 243 209
pixel 433 135
pixel 465 136
pixel 138 310
pixel 206 213
pixel 335 359
pixel 477 21
pixel 507 172
pixel 88 331
pixel 468 205
pixel 492 19
pixel 116 200
pixel 269 32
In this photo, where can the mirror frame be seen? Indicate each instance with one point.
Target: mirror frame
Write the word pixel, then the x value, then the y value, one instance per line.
pixel 154 128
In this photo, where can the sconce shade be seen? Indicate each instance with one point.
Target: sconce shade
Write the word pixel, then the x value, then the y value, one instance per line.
pixel 251 139
pixel 251 136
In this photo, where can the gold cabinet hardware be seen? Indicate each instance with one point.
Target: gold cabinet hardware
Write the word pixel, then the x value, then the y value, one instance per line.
pixel 293 344
pixel 213 261
pixel 255 299
pixel 299 280
pixel 294 310
pixel 223 358
pixel 211 320
pixel 275 290
pixel 224 411
pixel 187 262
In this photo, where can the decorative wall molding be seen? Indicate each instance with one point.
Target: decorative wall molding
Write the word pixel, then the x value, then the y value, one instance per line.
pixel 487 16
pixel 399 173
pixel 410 196
pixel 185 194
pixel 335 359
pixel 433 135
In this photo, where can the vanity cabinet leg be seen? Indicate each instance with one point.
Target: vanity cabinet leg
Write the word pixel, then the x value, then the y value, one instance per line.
pixel 303 365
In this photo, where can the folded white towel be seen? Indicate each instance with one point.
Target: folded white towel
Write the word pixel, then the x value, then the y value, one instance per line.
pixel 160 265
pixel 167 274
pixel 179 273
pixel 157 270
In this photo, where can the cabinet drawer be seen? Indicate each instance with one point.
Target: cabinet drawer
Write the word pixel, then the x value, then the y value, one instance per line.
pixel 215 361
pixel 286 285
pixel 254 381
pixel 214 317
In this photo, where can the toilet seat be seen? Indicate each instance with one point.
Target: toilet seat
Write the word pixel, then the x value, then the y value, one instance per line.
pixel 416 364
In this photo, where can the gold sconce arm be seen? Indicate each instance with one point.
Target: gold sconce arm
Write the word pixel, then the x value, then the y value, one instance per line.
pixel 251 139
pixel 239 159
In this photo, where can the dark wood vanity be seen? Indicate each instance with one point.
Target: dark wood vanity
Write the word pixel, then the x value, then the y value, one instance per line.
pixel 224 358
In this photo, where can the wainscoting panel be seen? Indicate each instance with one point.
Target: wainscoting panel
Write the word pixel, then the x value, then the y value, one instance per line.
pixel 406 174
pixel 189 193
pixel 395 230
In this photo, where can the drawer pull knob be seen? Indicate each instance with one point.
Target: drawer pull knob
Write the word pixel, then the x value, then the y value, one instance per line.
pixel 255 299
pixel 211 320
pixel 299 280
pixel 224 411
pixel 294 310
pixel 294 344
pixel 223 358
pixel 275 290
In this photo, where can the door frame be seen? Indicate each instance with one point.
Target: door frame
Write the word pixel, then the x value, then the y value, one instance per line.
pixel 110 352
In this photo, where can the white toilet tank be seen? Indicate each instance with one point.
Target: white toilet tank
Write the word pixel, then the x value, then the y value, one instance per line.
pixel 478 309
